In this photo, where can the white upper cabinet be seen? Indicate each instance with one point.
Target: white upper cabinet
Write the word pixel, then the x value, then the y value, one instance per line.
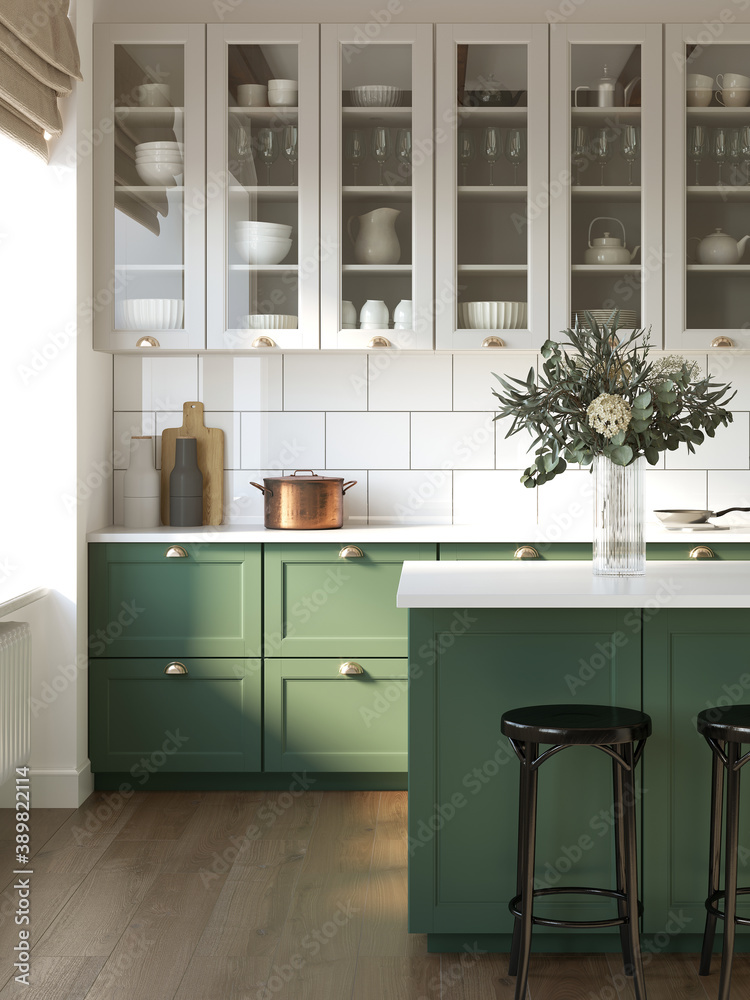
pixel 606 244
pixel 376 197
pixel 707 185
pixel 149 183
pixel 492 191
pixel 262 186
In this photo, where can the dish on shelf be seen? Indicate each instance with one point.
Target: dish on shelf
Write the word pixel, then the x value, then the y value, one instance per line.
pixel 262 250
pixel 157 172
pixel 153 314
pixel 494 315
pixel 258 230
pixel 270 321
pixel 628 319
pixel 376 96
pixel 147 147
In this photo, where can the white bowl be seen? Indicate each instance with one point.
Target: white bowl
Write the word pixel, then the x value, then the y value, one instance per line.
pixel 495 315
pixel 376 96
pixel 263 251
pixel 282 84
pixel 628 319
pixel 149 147
pixel 257 230
pixel 268 321
pixel 153 314
pixel 159 158
pixel 282 98
pixel 166 174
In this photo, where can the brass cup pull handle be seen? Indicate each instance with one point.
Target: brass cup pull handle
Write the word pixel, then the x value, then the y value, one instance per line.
pixel 175 669
pixel 263 489
pixel 701 552
pixel 526 552
pixel 493 342
pixel 379 342
pixel 350 669
pixel 264 342
pixel 176 552
pixel 351 552
pixel 722 342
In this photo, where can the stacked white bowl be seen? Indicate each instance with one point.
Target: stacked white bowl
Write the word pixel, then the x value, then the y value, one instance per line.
pixel 153 314
pixel 282 93
pixel 262 242
pixel 270 321
pixel 376 95
pixel 160 163
pixel 494 315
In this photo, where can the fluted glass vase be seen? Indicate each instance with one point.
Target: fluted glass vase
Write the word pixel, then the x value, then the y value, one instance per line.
pixel 619 541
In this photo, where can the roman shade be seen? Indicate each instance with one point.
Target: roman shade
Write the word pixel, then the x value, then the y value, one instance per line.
pixel 38 63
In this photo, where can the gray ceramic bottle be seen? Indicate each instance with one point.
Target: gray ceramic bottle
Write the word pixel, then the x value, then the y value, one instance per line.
pixel 186 485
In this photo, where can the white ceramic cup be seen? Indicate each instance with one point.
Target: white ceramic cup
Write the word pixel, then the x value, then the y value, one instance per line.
pixel 698 81
pixel 402 315
pixel 734 98
pixel 282 98
pixel 733 81
pixel 348 315
pixel 374 315
pixel 252 95
pixel 698 97
pixel 153 95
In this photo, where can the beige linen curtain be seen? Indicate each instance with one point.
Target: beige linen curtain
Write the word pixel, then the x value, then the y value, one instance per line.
pixel 38 63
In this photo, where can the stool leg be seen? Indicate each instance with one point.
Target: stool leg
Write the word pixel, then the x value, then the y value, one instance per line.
pixel 622 909
pixel 631 871
pixel 522 838
pixel 714 864
pixel 529 785
pixel 730 867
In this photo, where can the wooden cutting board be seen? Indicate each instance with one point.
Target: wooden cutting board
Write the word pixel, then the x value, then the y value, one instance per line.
pixel 210 461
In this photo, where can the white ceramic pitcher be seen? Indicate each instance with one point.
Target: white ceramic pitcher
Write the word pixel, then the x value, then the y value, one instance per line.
pixel 376 242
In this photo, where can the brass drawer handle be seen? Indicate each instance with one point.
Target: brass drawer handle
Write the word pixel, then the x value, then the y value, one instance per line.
pixel 350 669
pixel 176 552
pixel 493 342
pixel 722 342
pixel 264 342
pixel 526 552
pixel 175 668
pixel 147 342
pixel 701 552
pixel 351 552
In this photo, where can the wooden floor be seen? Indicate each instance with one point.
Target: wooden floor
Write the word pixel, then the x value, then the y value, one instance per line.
pixel 258 895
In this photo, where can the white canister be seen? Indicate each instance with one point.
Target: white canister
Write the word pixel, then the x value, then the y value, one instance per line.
pixel 374 315
pixel 141 486
pixel 252 95
pixel 348 315
pixel 402 315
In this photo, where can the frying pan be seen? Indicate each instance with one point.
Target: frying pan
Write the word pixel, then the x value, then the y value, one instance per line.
pixel 692 516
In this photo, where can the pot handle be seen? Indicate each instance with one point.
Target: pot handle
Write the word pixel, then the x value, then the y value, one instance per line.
pixel 575 95
pixel 690 259
pixel 721 513
pixel 349 221
pixel 263 489
pixel 348 486
pixel 310 471
pixel 608 218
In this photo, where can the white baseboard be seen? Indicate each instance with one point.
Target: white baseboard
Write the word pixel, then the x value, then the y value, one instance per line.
pixel 53 788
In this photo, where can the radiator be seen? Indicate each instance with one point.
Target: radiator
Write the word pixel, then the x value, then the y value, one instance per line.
pixel 15 696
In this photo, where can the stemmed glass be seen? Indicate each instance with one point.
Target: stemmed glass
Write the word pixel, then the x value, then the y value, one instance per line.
pixel 466 151
pixel 289 148
pixel 491 148
pixel 381 147
pixel 243 153
pixel 630 147
pixel 579 148
pixel 268 149
pixel 403 149
pixel 355 149
pixel 601 148
pixel 515 149
pixel 697 147
pixel 745 147
pixel 719 149
pixel 734 153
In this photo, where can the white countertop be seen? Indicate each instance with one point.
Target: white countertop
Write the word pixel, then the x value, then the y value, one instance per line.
pixel 567 584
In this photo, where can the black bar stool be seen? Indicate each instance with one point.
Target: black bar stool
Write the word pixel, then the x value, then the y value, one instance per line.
pixel 615 731
pixel 725 730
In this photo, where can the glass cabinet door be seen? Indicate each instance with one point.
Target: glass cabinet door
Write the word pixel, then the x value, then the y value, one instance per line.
pixel 606 248
pixel 148 187
pixel 376 186
pixel 262 186
pixel 492 195
pixel 707 187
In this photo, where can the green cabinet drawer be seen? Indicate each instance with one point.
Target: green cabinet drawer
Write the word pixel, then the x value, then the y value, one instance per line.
pixel 320 604
pixel 506 550
pixel 319 720
pixel 146 603
pixel 145 721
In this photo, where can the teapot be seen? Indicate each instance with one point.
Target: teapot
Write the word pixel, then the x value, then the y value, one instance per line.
pixel 719 248
pixel 605 91
pixel 608 249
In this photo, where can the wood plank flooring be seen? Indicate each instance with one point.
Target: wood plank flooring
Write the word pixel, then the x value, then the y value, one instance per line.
pixel 260 895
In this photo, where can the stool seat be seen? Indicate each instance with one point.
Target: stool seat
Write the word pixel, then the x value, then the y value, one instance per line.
pixel 587 725
pixel 725 723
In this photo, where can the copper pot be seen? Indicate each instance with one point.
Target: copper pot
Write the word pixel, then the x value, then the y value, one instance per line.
pixel 304 501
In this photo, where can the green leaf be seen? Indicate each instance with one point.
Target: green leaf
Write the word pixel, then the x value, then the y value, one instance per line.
pixel 642 401
pixel 621 455
pixel 652 455
pixel 549 347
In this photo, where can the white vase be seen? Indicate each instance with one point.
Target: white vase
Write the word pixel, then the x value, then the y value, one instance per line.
pixel 374 315
pixel 376 242
pixel 140 489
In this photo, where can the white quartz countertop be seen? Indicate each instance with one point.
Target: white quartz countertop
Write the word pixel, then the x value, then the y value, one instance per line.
pixel 566 584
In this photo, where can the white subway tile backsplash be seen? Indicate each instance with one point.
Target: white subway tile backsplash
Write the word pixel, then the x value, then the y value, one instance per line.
pixel 372 440
pixel 452 441
pixel 473 378
pixel 243 503
pixel 130 384
pixel 493 497
pixel 410 381
pixel 410 497
pixel 283 440
pixel 228 383
pixel 565 502
pixel 322 382
pixel 672 490
pixel 729 449
pixel 230 424
pixel 734 367
pixel 173 381
pixel 164 420
pixel 512 452
pixel 729 489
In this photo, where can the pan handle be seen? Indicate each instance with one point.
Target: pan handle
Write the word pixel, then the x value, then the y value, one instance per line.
pixel 263 489
pixel 721 513
pixel 348 486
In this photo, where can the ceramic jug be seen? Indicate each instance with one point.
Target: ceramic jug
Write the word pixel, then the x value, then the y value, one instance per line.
pixel 719 248
pixel 376 241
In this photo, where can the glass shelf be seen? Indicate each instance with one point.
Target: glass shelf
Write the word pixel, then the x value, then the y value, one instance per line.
pixel 606 192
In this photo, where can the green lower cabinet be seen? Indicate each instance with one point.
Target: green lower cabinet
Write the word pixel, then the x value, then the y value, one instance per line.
pixel 317 719
pixel 144 721
pixel 466 668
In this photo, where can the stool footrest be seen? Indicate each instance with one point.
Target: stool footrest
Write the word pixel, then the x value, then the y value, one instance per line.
pixel 744 921
pixel 513 906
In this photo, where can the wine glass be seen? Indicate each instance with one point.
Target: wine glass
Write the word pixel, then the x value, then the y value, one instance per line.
pixel 491 148
pixel 380 143
pixel 579 149
pixel 734 153
pixel 268 149
pixel 466 151
pixel 601 148
pixel 745 147
pixel 697 147
pixel 403 149
pixel 289 148
pixel 355 149
pixel 243 153
pixel 630 147
pixel 719 149
pixel 515 149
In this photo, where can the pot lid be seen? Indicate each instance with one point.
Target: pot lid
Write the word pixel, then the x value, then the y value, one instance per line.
pixel 303 476
pixel 608 241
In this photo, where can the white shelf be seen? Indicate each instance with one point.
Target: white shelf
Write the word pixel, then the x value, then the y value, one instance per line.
pixel 493 116
pixel 263 267
pixel 605 268
pixel 508 270
pixel 150 188
pixel 719 268
pixel 286 114
pixel 597 116
pixel 150 117
pixel 605 192
pixel 718 192
pixel 718 116
pixel 149 267
pixel 376 269
pixel 362 117
pixel 485 192
pixel 394 192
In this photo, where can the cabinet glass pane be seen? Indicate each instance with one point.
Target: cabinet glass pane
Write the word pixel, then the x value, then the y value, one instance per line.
pixel 492 231
pixel 148 187
pixel 606 195
pixel 717 165
pixel 263 160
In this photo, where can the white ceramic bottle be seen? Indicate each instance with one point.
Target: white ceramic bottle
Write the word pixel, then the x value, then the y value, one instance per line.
pixel 140 490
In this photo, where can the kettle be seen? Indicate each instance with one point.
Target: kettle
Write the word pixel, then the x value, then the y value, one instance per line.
pixel 719 248
pixel 605 91
pixel 608 249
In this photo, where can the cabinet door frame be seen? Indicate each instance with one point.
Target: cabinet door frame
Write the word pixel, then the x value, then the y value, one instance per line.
pixel 649 37
pixel 536 37
pixel 306 37
pixel 106 279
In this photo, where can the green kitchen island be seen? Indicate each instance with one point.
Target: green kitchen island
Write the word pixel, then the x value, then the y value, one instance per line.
pixel 487 636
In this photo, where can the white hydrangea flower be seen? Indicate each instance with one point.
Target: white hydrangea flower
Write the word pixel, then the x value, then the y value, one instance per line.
pixel 608 414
